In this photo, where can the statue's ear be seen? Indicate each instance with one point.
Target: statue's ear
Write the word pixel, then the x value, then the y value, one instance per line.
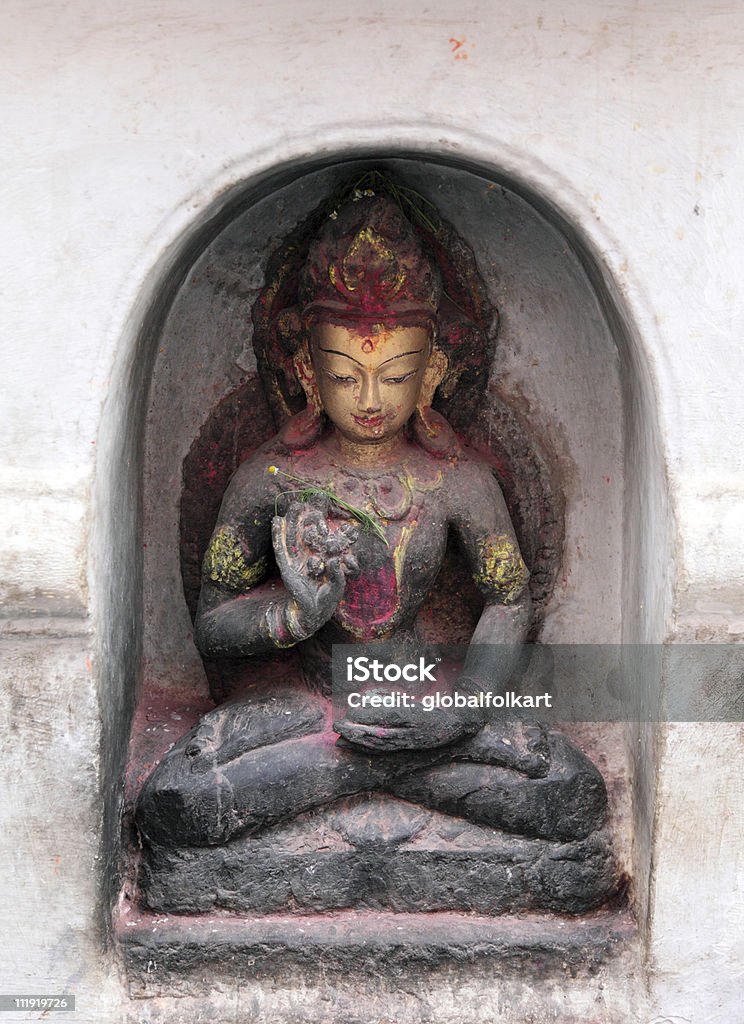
pixel 431 430
pixel 305 371
pixel 305 428
pixel 433 377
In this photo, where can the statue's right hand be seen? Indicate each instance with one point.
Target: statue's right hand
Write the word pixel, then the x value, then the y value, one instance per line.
pixel 312 561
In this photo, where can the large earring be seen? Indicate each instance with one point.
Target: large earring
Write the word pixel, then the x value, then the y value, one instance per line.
pixel 304 429
pixel 431 430
pixel 306 375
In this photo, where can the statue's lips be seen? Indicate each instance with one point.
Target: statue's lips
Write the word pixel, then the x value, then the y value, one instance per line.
pixel 370 421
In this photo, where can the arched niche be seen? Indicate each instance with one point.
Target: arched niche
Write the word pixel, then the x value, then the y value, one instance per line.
pixel 568 364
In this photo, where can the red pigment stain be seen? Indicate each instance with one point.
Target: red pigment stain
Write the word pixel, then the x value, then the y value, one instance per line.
pixel 211 473
pixel 457 48
pixel 370 600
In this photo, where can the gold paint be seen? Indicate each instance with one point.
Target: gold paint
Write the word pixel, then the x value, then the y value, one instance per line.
pixel 501 570
pixel 400 550
pixel 225 562
pixel 429 485
pixel 280 399
pixel 306 376
pixel 277 635
pixel 384 508
pixel 436 370
pixel 268 320
pixel 383 253
pixel 360 391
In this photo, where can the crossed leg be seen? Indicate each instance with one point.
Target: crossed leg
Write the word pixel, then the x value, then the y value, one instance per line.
pixel 565 803
pixel 235 774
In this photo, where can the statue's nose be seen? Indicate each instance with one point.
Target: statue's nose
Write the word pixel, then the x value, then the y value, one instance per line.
pixel 369 396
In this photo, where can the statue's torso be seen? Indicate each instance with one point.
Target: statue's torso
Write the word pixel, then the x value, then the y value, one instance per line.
pixel 413 499
pixel 409 502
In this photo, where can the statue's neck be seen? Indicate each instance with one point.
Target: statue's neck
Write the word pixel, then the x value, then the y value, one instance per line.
pixel 366 456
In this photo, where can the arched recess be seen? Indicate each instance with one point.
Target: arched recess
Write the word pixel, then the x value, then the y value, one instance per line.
pixel 569 362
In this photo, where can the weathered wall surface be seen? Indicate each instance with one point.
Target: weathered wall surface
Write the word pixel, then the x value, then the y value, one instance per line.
pixel 124 126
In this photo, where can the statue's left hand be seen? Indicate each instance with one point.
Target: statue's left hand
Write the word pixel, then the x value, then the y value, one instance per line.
pixel 412 728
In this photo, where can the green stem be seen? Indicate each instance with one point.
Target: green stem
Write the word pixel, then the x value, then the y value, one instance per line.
pixel 309 489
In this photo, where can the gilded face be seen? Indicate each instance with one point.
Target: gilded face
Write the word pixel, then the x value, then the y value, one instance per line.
pixel 369 377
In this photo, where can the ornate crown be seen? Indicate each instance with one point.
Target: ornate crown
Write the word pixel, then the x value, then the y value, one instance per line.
pixel 368 263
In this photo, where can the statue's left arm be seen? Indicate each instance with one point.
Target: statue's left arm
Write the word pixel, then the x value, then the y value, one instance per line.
pixel 481 521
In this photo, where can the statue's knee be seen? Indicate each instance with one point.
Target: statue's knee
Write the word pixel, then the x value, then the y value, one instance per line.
pixel 583 795
pixel 254 721
pixel 525 747
pixel 180 807
pixel 565 804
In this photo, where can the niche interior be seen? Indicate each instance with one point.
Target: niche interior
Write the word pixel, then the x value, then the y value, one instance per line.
pixel 558 424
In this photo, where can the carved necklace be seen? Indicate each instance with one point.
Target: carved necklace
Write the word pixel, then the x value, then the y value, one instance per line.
pixel 390 496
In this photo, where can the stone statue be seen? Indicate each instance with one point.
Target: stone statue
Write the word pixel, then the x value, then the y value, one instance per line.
pixel 368 446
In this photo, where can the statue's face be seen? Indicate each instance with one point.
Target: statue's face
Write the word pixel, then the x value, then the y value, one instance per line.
pixel 369 377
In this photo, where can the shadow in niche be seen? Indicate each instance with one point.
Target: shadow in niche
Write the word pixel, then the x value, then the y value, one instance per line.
pixel 532 478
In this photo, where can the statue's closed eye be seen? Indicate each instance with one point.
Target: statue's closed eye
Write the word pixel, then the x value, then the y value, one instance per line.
pixel 339 379
pixel 399 380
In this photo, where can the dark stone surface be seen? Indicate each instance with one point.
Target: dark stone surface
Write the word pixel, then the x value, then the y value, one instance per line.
pixel 383 854
pixel 261 807
pixel 202 795
pixel 165 956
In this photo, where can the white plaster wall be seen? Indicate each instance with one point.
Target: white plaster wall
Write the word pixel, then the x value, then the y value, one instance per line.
pixel 122 122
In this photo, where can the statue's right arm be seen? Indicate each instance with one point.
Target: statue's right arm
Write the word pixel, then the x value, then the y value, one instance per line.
pixel 240 613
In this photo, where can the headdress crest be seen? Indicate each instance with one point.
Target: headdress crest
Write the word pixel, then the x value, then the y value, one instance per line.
pixel 368 263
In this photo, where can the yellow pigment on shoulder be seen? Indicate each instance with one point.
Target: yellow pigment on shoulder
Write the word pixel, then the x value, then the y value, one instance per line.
pixel 500 568
pixel 225 562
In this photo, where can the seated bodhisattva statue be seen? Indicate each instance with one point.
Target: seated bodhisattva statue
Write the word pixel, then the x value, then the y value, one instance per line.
pixel 370 358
